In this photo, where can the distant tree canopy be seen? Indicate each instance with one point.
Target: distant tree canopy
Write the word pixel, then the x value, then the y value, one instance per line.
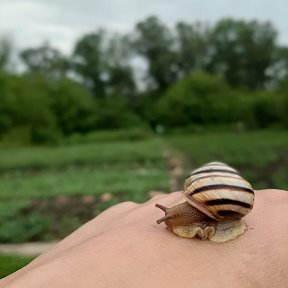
pixel 194 73
pixel 102 62
pixel 5 52
pixel 45 60
pixel 154 42
pixel 242 52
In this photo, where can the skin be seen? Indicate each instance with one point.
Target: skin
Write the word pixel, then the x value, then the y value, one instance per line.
pixel 124 247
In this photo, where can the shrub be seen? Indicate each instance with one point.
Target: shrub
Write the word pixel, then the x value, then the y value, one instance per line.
pixel 283 111
pixel 198 99
pixel 115 113
pixel 266 106
pixel 73 106
pixel 132 134
pixel 25 107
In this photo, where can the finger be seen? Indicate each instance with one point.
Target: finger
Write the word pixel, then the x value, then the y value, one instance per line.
pixel 146 214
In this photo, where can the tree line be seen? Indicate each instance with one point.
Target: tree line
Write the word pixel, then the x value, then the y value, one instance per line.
pixel 233 71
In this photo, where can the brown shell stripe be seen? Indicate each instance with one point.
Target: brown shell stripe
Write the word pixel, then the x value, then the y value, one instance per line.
pixel 221 186
pixel 224 201
pixel 230 214
pixel 214 170
pixel 217 176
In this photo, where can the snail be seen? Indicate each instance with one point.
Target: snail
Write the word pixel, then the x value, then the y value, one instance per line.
pixel 217 198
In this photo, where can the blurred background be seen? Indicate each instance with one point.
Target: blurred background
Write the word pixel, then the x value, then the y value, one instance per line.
pixel 108 101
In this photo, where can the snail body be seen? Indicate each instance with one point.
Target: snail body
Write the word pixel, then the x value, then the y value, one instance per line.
pixel 217 198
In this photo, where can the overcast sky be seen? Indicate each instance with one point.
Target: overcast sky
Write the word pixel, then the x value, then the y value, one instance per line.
pixel 31 22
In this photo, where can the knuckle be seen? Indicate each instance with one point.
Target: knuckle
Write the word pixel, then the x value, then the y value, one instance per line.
pixel 126 204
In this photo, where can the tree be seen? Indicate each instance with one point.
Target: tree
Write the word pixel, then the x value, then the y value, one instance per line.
pixel 102 61
pixel 5 52
pixel 89 61
pixel 278 71
pixel 120 73
pixel 242 51
pixel 191 47
pixel 154 42
pixel 45 60
pixel 25 109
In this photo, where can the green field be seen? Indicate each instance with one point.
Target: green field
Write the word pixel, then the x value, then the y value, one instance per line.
pixel 43 190
pixel 47 192
pixel 11 263
pixel 261 157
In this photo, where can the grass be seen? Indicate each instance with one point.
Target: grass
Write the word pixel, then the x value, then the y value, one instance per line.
pixel 47 192
pixel 44 190
pixel 11 263
pixel 97 154
pixel 261 157
pixel 132 181
pixel 125 170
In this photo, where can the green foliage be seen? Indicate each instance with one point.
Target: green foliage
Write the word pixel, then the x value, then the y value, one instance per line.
pixel 90 61
pixel 154 42
pixel 45 60
pixel 197 99
pixel 40 111
pixel 102 61
pixel 24 103
pixel 133 134
pixel 266 107
pixel 284 104
pixel 242 51
pixel 192 50
pixel 72 106
pixel 25 229
pixel 11 263
pixel 114 113
pixel 5 53
pixel 16 225
pixel 197 75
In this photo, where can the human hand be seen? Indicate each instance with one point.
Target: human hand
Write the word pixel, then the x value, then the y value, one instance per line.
pixel 124 247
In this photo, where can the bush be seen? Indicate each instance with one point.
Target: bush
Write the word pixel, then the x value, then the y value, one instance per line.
pixel 266 106
pixel 115 113
pixel 37 110
pixel 25 108
pixel 283 111
pixel 16 226
pixel 132 134
pixel 198 99
pixel 72 106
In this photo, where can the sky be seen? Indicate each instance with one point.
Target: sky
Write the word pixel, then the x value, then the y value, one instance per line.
pixel 31 22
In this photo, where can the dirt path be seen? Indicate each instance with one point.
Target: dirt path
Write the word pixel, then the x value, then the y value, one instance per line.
pixel 26 249
pixel 175 165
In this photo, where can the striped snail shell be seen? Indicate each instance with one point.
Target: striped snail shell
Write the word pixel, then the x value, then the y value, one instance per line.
pixel 217 198
pixel 219 191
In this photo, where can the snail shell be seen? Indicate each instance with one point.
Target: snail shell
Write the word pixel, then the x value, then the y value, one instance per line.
pixel 219 192
pixel 217 197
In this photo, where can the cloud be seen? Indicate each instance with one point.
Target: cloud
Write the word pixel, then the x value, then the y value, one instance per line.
pixel 31 22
